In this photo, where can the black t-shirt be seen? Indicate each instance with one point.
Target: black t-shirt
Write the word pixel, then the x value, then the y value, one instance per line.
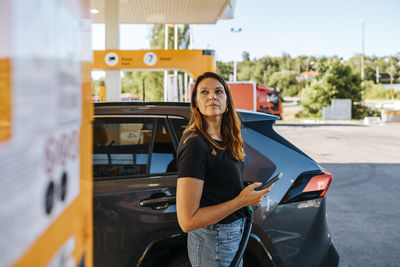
pixel 222 175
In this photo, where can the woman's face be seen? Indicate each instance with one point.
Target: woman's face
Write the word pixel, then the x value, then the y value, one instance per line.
pixel 211 98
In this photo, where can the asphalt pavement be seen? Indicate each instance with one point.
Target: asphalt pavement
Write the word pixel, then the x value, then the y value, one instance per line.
pixel 364 198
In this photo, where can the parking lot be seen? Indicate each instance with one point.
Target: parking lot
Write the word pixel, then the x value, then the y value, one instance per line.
pixel 363 200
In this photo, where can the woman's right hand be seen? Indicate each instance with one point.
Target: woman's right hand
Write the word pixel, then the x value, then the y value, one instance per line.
pixel 249 197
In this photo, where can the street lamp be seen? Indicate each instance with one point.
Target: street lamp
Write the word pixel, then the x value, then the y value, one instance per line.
pixel 390 75
pixel 362 54
pixel 234 57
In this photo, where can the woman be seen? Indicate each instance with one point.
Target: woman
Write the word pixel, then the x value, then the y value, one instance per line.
pixel 210 194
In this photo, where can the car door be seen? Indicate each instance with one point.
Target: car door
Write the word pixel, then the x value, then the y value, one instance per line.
pixel 134 171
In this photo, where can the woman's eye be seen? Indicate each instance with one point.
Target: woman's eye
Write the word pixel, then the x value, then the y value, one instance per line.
pixel 218 91
pixel 204 92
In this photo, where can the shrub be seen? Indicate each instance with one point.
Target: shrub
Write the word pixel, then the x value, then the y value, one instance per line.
pixel 376 91
pixel 359 111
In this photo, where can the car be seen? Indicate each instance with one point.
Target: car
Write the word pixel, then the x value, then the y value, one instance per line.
pixel 134 172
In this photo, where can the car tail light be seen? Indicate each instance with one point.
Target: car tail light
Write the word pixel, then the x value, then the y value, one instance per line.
pixel 309 185
pixel 319 183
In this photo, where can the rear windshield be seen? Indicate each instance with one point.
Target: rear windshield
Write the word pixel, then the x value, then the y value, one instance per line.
pixel 266 128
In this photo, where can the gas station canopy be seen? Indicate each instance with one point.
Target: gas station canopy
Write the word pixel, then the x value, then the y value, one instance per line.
pixel 167 11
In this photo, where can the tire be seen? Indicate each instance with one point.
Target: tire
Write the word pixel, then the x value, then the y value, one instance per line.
pixel 180 260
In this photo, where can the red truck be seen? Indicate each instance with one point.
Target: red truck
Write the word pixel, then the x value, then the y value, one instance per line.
pixel 253 96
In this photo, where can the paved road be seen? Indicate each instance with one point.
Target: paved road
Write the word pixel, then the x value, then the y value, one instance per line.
pixel 364 198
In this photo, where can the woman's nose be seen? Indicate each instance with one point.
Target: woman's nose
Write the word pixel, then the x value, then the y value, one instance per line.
pixel 212 96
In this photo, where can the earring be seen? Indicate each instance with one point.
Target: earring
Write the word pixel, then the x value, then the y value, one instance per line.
pixel 226 109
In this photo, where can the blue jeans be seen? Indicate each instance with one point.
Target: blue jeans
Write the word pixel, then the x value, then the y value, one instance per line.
pixel 215 245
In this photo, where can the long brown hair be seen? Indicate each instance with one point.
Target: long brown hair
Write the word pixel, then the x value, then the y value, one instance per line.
pixel 230 126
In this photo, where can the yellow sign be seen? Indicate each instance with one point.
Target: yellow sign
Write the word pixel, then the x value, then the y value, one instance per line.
pixel 5 98
pixel 5 69
pixel 46 116
pixel 196 62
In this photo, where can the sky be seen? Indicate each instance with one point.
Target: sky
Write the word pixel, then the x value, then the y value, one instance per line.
pixel 270 28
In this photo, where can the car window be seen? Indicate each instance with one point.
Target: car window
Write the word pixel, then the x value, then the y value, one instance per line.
pixel 179 126
pixel 163 156
pixel 121 146
pixel 265 128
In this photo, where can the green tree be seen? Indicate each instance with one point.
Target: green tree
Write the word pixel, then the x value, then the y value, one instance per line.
pixel 157 36
pixel 384 64
pixel 254 70
pixel 244 70
pixel 337 82
pixel 132 82
pixel 284 81
pixel 96 84
pixel 224 69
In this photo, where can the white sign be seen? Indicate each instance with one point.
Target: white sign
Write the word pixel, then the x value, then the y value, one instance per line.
pixel 46 66
pixel 111 59
pixel 150 58
pixel 39 180
pixel 40 163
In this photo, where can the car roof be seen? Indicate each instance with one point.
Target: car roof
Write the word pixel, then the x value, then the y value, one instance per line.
pixel 166 108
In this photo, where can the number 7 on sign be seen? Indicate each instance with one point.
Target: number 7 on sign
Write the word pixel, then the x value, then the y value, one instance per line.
pixel 150 59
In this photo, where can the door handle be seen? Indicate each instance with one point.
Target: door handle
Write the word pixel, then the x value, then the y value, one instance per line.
pixel 158 203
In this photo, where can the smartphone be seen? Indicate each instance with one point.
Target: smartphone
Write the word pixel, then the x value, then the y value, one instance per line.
pixel 269 182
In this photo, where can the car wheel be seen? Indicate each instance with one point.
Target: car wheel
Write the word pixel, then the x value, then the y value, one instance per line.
pixel 181 260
